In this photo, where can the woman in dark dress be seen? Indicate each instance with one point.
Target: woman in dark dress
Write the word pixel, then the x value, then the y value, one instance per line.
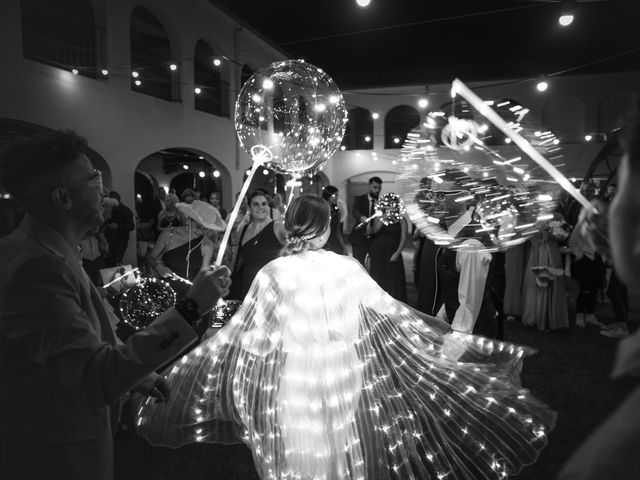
pixel 336 242
pixel 260 242
pixel 390 234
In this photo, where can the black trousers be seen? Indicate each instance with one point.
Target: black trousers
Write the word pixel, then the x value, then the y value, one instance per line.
pixel 590 274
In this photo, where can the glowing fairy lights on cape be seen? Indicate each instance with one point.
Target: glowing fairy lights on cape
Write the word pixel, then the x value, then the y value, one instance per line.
pixel 324 375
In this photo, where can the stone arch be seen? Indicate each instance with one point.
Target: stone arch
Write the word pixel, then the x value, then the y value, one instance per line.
pixel 398 122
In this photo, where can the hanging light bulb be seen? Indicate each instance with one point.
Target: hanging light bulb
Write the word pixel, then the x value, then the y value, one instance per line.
pixel 216 173
pixel 197 90
pixel 173 67
pixel 566 17
pixel 375 115
pixel 217 62
pixel 542 85
pixel 363 3
pixel 135 74
pixel 104 72
pixel 423 103
pixel 201 174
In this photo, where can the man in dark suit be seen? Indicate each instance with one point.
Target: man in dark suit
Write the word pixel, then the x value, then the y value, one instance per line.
pixel 62 370
pixel 116 230
pixel 362 210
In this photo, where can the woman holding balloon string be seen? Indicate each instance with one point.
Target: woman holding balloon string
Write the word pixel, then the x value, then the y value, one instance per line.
pixel 324 375
pixel 260 242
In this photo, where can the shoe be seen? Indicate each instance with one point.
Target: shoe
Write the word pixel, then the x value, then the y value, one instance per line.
pixel 580 320
pixel 591 319
pixel 618 332
pixel 613 326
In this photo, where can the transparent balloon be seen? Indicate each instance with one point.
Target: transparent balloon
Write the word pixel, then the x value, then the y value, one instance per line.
pixel 390 209
pixel 461 178
pixel 290 116
pixel 143 303
pixel 223 312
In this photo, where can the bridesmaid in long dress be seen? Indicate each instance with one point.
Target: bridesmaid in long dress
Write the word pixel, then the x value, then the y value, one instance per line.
pixel 387 265
pixel 545 301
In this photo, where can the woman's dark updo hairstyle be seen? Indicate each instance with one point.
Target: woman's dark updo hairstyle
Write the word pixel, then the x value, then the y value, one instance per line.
pixel 307 217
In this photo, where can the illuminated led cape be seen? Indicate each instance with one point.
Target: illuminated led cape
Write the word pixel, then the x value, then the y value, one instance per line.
pixel 325 376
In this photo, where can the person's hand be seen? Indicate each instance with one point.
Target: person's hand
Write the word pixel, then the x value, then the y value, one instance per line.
pixel 207 246
pixel 209 286
pixel 163 271
pixel 154 386
pixel 394 257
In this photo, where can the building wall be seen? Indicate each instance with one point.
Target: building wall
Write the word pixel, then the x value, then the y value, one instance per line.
pixel 121 125
pixel 124 126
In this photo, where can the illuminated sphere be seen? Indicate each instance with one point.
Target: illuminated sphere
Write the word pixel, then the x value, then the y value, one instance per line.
pixel 222 313
pixel 390 208
pixel 142 304
pixel 456 162
pixel 291 116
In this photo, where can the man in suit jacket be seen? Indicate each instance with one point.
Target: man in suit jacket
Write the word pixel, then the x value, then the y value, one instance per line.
pixel 362 210
pixel 62 370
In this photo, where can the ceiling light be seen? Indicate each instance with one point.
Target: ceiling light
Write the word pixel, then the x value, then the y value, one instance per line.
pixel 367 138
pixel 217 62
pixel 566 17
pixel 588 138
pixel 138 83
pixel 75 71
pixel 375 115
pixel 201 174
pixel 216 173
pixel 135 74
pixel 104 72
pixel 423 103
pixel 542 85
pixel 173 67
pixel 363 3
pixel 185 166
pixel 197 90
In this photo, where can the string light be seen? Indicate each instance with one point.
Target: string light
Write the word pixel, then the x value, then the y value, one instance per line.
pixel 135 74
pixel 216 173
pixel 197 90
pixel 423 103
pixel 173 67
pixel 201 174
pixel 375 115
pixel 217 62
pixel 104 72
pixel 75 71
pixel 138 83
pixel 566 18
pixel 542 85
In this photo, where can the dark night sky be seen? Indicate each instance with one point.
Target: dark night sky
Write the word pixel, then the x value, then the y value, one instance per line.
pixel 521 38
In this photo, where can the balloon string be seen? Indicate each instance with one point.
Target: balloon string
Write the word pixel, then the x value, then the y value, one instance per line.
pixel 236 209
pixel 293 190
pixel 520 141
